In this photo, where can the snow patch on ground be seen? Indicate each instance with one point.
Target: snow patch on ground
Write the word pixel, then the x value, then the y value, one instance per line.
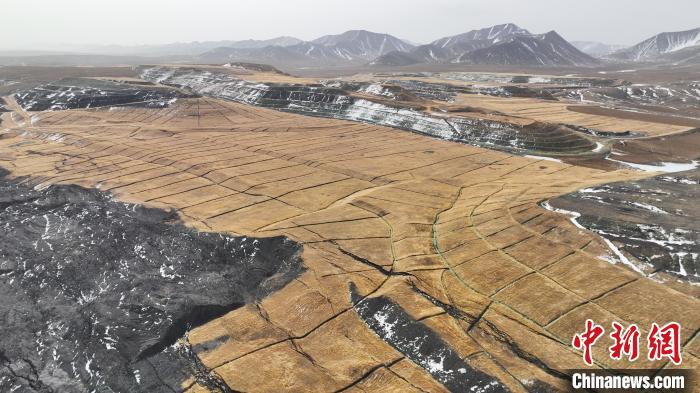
pixel 543 158
pixel 667 167
pixel 620 256
pixel 649 207
pixel 571 214
pixel 616 251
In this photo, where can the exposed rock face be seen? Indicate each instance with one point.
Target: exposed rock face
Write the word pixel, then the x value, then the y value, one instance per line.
pixel 429 91
pixel 295 98
pixel 95 293
pixel 409 90
pixel 336 103
pixel 654 220
pixel 399 89
pixel 73 93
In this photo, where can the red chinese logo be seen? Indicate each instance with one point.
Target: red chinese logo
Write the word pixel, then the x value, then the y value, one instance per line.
pixel 663 342
pixel 585 340
pixel 626 342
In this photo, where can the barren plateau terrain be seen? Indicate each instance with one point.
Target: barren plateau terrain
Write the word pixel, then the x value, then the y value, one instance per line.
pixel 416 205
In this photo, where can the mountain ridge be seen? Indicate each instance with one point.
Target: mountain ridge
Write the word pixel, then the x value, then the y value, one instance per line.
pixel 597 49
pixel 491 45
pixel 502 44
pixel 352 46
pixel 658 45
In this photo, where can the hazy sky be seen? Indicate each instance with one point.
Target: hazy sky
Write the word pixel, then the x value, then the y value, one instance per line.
pixel 34 24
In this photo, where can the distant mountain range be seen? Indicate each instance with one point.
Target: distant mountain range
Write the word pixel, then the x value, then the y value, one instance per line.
pixel 679 46
pixel 173 49
pixel 596 49
pixel 351 47
pixel 505 44
pixel 502 44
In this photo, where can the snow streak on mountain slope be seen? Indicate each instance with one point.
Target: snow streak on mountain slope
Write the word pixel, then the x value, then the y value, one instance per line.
pixel 502 44
pixel 493 34
pixel 532 49
pixel 363 44
pixel 354 46
pixel 660 44
pixel 690 55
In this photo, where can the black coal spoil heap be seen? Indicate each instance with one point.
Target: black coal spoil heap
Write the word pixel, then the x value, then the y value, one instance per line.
pixel 78 93
pixel 422 345
pixel 96 293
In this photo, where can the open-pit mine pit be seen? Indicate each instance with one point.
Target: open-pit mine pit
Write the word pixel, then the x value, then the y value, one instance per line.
pixel 206 228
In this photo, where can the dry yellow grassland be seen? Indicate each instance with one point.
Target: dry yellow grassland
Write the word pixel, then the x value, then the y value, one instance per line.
pixel 463 222
pixel 557 112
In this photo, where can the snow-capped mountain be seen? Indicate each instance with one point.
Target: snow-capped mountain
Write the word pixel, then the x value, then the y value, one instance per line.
pixel 362 44
pixel 502 44
pixel 596 49
pixel 660 44
pixel 547 49
pixel 476 39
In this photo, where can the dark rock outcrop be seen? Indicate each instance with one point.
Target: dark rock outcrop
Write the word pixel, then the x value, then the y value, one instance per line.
pixel 422 345
pixel 96 294
pixel 653 220
pixel 77 93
